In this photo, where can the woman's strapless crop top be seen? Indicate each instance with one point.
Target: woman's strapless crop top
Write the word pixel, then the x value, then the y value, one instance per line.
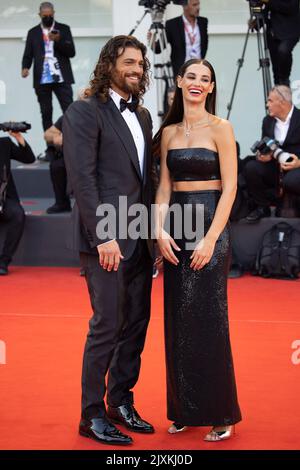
pixel 193 164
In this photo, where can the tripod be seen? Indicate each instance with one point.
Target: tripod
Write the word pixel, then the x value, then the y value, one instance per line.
pixel 257 22
pixel 163 71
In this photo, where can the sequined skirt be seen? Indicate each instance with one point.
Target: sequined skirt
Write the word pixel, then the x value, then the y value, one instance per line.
pixel 201 388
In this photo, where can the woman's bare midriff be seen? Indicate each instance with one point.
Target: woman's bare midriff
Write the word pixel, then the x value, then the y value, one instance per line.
pixel 197 185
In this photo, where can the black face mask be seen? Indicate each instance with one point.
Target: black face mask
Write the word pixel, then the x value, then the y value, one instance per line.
pixel 47 21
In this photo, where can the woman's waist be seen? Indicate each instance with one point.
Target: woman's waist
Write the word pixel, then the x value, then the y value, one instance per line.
pixel 189 186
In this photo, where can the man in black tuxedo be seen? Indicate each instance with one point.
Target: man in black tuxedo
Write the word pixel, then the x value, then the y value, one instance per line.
pixel 187 35
pixel 262 175
pixel 12 215
pixel 50 45
pixel 107 150
pixel 283 32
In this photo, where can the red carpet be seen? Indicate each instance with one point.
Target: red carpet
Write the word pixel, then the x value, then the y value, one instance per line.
pixel 44 320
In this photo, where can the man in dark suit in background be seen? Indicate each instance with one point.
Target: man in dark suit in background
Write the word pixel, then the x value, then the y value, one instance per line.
pixel 12 217
pixel 262 174
pixel 187 35
pixel 50 45
pixel 283 32
pixel 58 174
pixel 107 151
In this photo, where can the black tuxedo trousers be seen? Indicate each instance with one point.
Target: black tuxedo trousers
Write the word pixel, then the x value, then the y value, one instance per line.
pixel 117 330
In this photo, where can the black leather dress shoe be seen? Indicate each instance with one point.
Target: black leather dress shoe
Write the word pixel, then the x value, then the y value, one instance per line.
pixel 101 430
pixel 129 417
pixel 258 214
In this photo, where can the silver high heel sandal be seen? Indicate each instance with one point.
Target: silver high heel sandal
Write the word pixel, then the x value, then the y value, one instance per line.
pixel 176 427
pixel 219 433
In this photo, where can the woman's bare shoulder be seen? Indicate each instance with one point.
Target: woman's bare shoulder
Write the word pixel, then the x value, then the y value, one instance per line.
pixel 220 122
pixel 169 130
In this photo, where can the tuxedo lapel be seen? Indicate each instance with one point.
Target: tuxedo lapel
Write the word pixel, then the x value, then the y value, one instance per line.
pixel 119 125
pixel 148 141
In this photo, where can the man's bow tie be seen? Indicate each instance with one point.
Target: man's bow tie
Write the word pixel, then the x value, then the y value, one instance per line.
pixel 132 105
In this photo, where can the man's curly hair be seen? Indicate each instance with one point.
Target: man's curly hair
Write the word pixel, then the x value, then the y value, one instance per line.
pixel 101 77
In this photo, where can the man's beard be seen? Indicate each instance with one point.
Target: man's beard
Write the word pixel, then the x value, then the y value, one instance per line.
pixel 122 84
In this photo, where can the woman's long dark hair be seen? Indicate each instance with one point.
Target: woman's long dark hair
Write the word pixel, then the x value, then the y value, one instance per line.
pixel 101 77
pixel 176 111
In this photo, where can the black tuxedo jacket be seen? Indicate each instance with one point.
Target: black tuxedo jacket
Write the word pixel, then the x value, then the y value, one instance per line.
pixel 64 49
pixel 292 140
pixel 283 18
pixel 102 164
pixel 9 151
pixel 176 37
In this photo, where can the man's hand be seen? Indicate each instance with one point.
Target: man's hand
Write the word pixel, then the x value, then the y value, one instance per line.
pixel 291 165
pixel 25 73
pixel 54 37
pixel 263 158
pixel 19 138
pixel 110 255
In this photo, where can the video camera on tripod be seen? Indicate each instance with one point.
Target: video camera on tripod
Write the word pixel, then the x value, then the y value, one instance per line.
pixel 257 24
pixel 163 72
pixel 257 4
pixel 160 4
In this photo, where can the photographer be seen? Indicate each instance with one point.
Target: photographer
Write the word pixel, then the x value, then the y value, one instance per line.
pixel 283 32
pixel 11 214
pixel 263 175
pixel 54 137
pixel 50 45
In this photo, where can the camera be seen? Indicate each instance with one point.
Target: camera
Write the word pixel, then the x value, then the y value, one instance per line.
pixel 255 3
pixel 15 126
pixel 268 145
pixel 161 4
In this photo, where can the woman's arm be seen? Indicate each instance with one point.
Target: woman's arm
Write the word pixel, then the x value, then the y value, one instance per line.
pixel 163 194
pixel 226 146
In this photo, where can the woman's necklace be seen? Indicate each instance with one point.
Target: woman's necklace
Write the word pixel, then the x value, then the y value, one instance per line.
pixel 187 129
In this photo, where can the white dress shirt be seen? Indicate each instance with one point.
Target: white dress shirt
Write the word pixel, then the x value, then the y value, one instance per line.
pixel 282 127
pixel 192 40
pixel 134 127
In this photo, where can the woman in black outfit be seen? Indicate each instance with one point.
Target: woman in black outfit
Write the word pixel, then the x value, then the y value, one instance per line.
pixel 198 167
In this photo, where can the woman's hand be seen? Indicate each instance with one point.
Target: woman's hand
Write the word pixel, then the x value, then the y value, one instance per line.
pixel 166 244
pixel 202 253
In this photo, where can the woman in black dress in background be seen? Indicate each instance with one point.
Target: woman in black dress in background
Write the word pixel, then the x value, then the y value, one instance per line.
pixel 198 166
